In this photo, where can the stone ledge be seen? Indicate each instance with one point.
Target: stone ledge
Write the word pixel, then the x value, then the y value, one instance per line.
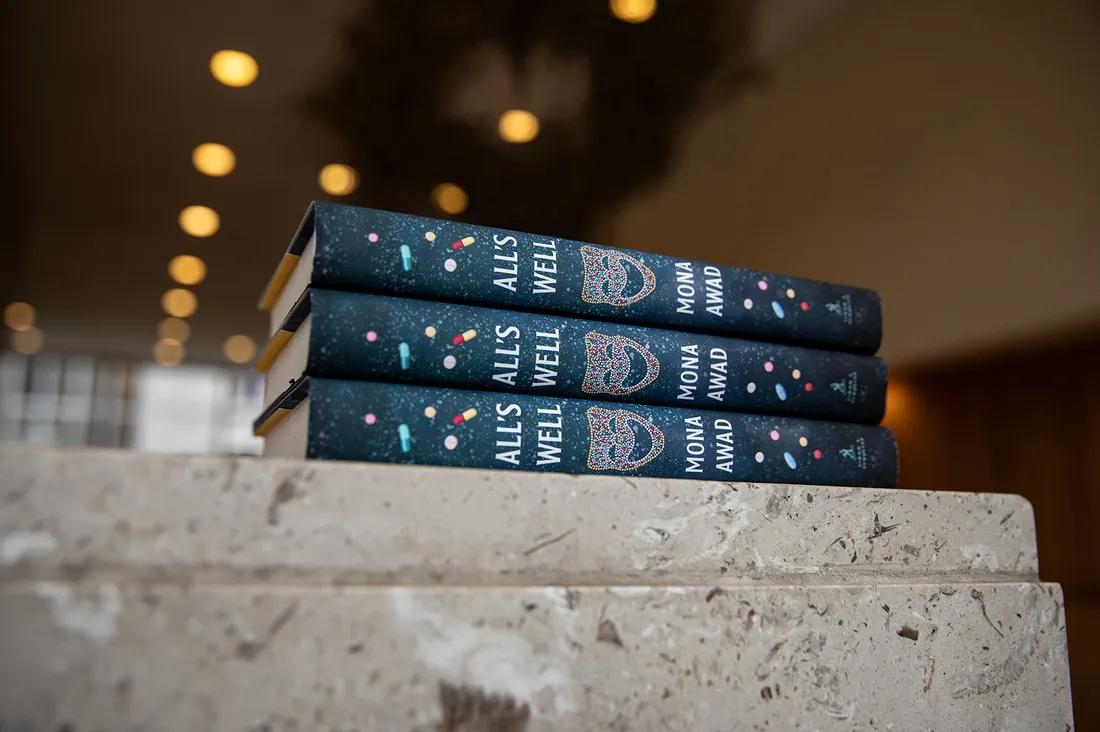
pixel 85 513
pixel 912 657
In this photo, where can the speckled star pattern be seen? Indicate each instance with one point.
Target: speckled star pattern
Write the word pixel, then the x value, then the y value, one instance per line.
pixel 369 421
pixel 382 338
pixel 374 251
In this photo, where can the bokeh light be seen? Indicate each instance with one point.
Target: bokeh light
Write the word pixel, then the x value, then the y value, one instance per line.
pixel 175 329
pixel 239 348
pixel 450 198
pixel 633 11
pixel 187 270
pixel 234 68
pixel 518 126
pixel 199 221
pixel 338 179
pixel 28 341
pixel 168 352
pixel 213 159
pixel 19 316
pixel 179 303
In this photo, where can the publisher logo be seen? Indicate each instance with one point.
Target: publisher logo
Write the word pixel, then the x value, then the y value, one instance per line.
pixel 617 365
pixel 614 278
pixel 857 453
pixel 621 440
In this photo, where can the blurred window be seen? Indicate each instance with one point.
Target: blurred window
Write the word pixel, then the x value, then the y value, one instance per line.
pixel 80 401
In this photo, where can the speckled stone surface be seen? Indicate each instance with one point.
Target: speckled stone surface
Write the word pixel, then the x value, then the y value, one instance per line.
pixel 182 593
pixel 266 519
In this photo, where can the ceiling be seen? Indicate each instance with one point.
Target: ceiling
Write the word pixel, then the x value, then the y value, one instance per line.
pixel 943 153
pixel 112 101
pixel 113 96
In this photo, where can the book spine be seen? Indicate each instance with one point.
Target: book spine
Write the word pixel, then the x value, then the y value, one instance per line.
pixel 368 421
pixel 373 337
pixel 397 254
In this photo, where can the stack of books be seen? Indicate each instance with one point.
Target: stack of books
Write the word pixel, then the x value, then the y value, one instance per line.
pixel 404 339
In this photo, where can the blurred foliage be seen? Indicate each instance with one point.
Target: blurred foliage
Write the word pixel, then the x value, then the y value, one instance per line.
pixel 403 61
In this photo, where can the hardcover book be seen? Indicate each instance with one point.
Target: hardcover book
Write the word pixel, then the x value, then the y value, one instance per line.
pixel 357 249
pixel 334 419
pixel 346 335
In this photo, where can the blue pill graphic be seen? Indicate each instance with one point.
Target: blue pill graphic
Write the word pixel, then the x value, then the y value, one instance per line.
pixel 791 462
pixel 406 437
pixel 781 392
pixel 778 310
pixel 406 357
pixel 406 257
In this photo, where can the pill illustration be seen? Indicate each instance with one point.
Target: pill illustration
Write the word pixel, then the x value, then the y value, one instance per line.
pixel 466 416
pixel 461 338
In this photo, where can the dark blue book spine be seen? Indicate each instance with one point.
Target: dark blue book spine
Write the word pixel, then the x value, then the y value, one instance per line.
pixel 374 337
pixel 392 423
pixel 375 251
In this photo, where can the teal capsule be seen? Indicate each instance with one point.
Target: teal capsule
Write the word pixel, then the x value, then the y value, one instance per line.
pixel 406 257
pixel 406 437
pixel 406 357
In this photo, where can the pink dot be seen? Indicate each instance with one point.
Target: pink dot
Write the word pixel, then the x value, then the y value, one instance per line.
pixel 817 454
pixel 370 419
pixel 775 434
pixel 371 336
pixel 809 386
pixel 805 306
pixel 762 285
pixel 372 237
pixel 769 366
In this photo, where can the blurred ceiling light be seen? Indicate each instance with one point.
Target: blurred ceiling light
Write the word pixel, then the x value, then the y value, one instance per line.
pixel 19 316
pixel 450 198
pixel 234 68
pixel 179 303
pixel 338 179
pixel 239 348
pixel 518 125
pixel 27 342
pixel 175 329
pixel 213 159
pixel 187 270
pixel 633 11
pixel 168 352
pixel 200 221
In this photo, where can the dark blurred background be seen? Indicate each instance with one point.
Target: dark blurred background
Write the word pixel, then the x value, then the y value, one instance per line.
pixel 944 152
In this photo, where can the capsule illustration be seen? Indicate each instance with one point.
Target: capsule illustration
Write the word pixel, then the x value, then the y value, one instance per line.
pixel 461 338
pixel 463 242
pixel 406 356
pixel 465 416
pixel 406 257
pixel 406 437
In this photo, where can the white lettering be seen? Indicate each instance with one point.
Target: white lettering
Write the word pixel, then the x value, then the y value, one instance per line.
pixel 549 453
pixel 713 283
pixel 685 288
